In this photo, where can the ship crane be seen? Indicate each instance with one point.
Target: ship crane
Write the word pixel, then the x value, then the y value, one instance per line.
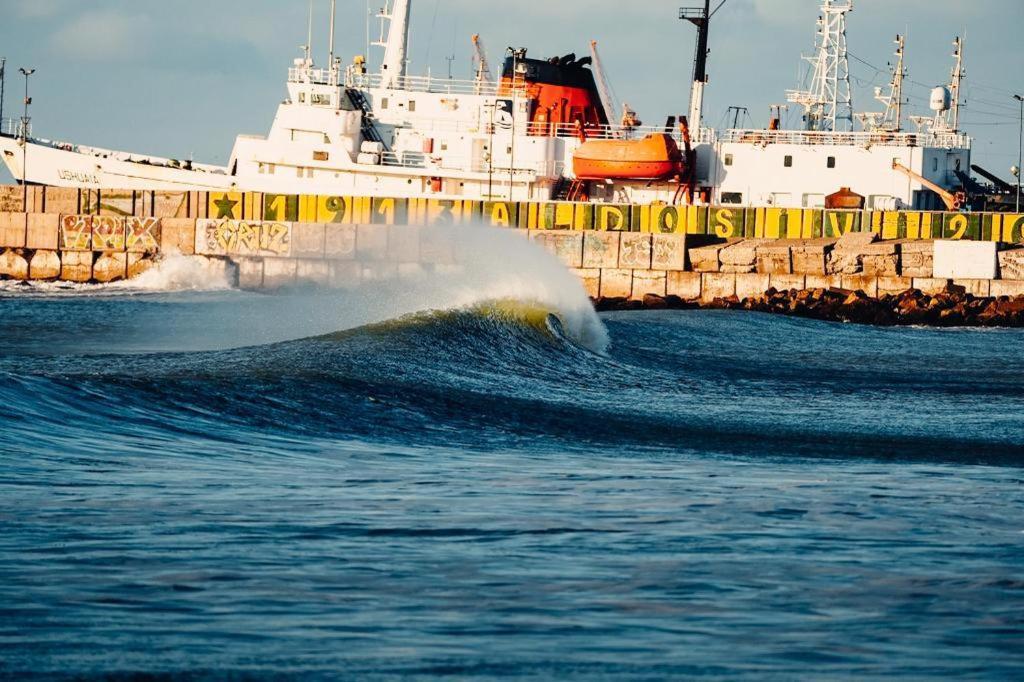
pixel 608 99
pixel 482 67
pixel 953 201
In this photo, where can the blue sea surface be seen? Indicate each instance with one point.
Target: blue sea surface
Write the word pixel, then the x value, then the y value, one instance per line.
pixel 197 485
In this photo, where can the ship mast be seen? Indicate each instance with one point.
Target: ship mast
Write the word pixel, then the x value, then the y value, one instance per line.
pixel 396 47
pixel 701 18
pixel 891 121
pixel 828 102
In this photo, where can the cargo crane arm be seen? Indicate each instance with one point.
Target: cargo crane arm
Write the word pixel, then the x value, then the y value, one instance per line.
pixel 953 201
pixel 611 106
pixel 483 67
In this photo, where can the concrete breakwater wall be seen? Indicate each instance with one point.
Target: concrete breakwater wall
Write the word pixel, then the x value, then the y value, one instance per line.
pixel 611 264
pixel 724 222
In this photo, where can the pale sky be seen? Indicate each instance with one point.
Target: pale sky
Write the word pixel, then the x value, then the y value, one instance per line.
pixel 181 77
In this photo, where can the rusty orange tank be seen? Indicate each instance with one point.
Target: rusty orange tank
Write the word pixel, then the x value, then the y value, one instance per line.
pixel 654 157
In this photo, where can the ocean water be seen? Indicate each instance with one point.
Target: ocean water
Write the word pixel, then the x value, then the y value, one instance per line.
pixel 476 476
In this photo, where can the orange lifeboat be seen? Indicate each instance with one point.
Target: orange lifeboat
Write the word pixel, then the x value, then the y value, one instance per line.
pixel 654 157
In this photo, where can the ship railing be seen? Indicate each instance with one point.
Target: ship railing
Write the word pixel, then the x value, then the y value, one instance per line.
pixel 12 127
pixel 847 139
pixel 449 86
pixel 617 132
pixel 404 159
pixel 315 76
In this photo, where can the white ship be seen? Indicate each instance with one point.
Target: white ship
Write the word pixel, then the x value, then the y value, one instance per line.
pixel 543 130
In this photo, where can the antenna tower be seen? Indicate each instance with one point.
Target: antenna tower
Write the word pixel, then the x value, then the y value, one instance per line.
pixel 828 102
pixel 891 120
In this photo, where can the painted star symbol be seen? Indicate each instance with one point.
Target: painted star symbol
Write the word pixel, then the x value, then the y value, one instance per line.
pixel 225 208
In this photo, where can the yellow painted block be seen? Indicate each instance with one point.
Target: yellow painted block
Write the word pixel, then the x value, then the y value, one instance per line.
pixel 725 224
pixel 225 205
pixel 890 225
pixel 501 213
pixel 773 223
pixel 307 209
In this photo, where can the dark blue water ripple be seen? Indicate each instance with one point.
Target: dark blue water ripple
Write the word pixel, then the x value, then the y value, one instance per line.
pixel 471 495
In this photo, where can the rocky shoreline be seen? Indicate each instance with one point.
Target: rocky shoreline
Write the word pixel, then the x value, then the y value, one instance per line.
pixel 951 307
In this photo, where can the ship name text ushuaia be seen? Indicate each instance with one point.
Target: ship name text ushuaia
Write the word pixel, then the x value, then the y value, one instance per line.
pixel 549 129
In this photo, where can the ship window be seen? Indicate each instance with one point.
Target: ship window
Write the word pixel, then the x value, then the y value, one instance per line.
pixel 384 103
pixel 271 169
pixel 935 165
pixel 732 197
pixel 327 140
pixel 324 100
pixel 302 98
pixel 728 159
pixel 412 105
pixel 831 162
pixel 787 161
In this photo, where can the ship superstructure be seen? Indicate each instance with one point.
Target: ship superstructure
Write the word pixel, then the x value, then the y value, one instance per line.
pixel 541 131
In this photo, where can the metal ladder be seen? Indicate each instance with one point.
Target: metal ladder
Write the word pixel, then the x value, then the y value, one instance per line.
pixel 370 132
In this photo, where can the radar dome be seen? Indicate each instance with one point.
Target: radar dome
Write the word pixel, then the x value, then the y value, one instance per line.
pixel 941 99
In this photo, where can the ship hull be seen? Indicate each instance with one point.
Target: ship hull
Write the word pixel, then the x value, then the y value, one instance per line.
pixel 59 167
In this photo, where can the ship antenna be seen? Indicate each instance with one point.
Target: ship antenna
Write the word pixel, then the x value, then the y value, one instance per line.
pixel 330 54
pixel 309 36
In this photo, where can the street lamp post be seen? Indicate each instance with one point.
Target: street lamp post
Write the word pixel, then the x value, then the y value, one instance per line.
pixel 3 82
pixel 24 142
pixel 1020 149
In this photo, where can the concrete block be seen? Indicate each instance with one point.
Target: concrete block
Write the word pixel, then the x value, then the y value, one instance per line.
pixel 76 266
pixel 62 200
pixel 978 287
pixel 308 240
pixel 13 265
pixel 668 252
pixel 340 242
pixel 250 273
pixel 775 260
pixel 616 283
pixel 685 285
pixel 741 257
pixel 108 233
pixel 279 272
pixel 591 280
pixel 12 230
pixel 706 258
pixel 110 267
pixel 404 244
pixel 313 272
pixel 379 271
pixel 45 265
pixel 893 286
pixel 566 245
pixel 965 260
pixel 345 274
pixel 117 202
pixel 139 263
pixel 371 242
pixel 867 284
pixel 439 248
pixel 601 249
pixel 856 240
pixel 654 282
pixel 881 265
pixel 75 233
pixel 635 250
pixel 752 284
pixel 788 282
pixel 1011 264
pixel 142 235
pixel 1006 287
pixel 43 231
pixel 178 235
pixel 167 204
pixel 823 282
pixel 717 285
pixel 806 262
pixel 929 285
pixel 11 199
